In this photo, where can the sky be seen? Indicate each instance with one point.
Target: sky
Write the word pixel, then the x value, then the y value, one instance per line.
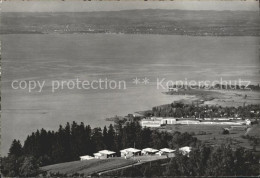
pixel 85 6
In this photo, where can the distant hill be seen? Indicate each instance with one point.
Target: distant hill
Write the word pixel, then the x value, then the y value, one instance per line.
pixel 150 21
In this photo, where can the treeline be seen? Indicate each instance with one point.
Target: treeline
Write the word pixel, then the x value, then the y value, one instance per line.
pixel 189 111
pixel 68 143
pixel 202 161
pixel 226 86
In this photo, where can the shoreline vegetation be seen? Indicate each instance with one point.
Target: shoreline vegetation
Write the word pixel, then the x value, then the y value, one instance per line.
pixel 219 96
pixel 166 22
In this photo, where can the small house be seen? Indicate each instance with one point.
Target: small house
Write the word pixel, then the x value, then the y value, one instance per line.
pixel 86 157
pixel 149 151
pixel 165 151
pixel 130 152
pixel 185 150
pixel 103 154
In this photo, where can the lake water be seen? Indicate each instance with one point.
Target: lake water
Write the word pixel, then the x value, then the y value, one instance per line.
pixel 116 57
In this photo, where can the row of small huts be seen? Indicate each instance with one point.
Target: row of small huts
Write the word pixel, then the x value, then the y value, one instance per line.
pixel 131 152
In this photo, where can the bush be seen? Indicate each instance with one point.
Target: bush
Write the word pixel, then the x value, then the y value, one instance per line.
pixel 225 132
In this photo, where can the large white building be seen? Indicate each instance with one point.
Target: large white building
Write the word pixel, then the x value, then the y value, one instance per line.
pixel 168 120
pixel 151 122
pixel 158 121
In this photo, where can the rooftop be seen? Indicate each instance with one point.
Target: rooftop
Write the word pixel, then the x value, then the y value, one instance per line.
pixel 86 156
pixel 130 150
pixel 167 150
pixel 150 150
pixel 107 152
pixel 186 149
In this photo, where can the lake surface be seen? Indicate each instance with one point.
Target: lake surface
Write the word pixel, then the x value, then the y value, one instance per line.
pixel 116 57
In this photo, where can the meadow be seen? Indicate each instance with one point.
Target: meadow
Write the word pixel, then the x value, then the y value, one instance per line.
pixel 213 134
pixel 88 167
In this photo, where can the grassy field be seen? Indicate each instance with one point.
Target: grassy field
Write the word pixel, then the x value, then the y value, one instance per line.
pixel 88 167
pixel 212 134
pixel 235 98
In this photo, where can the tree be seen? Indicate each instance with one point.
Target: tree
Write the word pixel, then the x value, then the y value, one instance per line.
pixel 10 166
pixel 97 139
pixel 105 141
pixel 15 149
pixel 111 136
pixel 28 167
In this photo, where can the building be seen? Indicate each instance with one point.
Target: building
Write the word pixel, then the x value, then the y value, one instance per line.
pixel 86 157
pixel 185 150
pixel 103 154
pixel 130 152
pixel 151 122
pixel 248 122
pixel 187 122
pixel 149 151
pixel 217 122
pixel 168 120
pixel 165 151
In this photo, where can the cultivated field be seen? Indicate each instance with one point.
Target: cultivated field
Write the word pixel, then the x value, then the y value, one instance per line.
pixel 88 167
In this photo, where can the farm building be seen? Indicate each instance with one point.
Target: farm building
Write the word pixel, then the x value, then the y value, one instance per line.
pixel 103 154
pixel 165 151
pixel 86 157
pixel 129 152
pixel 149 151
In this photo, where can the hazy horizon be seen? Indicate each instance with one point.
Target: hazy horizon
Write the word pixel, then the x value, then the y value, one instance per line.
pixel 82 6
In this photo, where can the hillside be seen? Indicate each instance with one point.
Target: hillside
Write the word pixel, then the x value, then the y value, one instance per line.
pixel 150 21
pixel 88 167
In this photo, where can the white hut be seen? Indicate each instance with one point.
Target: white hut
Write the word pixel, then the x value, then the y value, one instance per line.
pixel 86 157
pixel 165 151
pixel 149 151
pixel 185 150
pixel 103 154
pixel 129 152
